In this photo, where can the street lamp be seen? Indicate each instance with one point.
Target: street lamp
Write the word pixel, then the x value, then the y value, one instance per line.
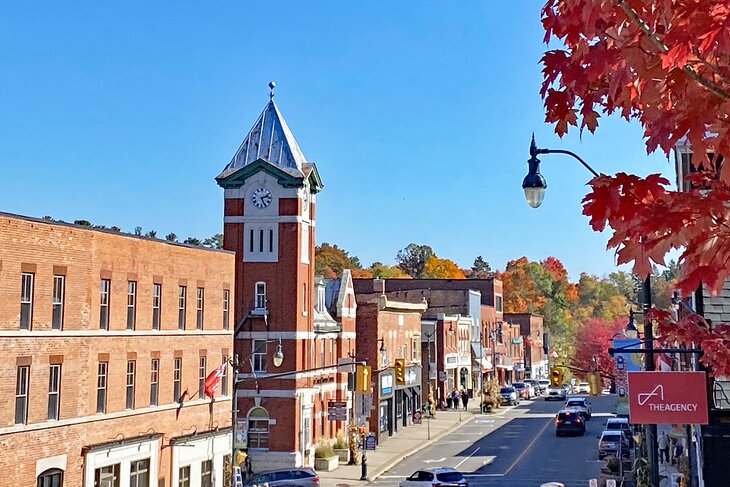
pixel 534 183
pixel 277 360
pixel 631 330
pixel 534 186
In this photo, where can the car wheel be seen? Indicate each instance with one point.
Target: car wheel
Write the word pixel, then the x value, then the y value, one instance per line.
pixel 558 434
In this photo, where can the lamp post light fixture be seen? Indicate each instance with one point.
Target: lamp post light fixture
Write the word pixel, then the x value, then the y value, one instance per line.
pixel 534 184
pixel 631 331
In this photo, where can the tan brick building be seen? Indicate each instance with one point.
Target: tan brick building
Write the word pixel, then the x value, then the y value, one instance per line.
pixel 101 334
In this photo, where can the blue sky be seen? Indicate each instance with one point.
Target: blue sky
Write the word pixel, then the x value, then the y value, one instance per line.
pixel 418 115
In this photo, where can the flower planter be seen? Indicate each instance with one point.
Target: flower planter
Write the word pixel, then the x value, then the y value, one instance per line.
pixel 326 464
pixel 343 454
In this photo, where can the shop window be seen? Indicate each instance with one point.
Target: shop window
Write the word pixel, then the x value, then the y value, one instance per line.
pixel 107 476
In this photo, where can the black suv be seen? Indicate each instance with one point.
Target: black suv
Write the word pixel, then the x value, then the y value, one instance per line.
pixel 569 421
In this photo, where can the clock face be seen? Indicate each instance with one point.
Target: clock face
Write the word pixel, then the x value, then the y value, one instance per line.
pixel 261 197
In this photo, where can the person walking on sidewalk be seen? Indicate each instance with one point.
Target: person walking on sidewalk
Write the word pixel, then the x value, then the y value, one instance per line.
pixel 464 398
pixel 678 450
pixel 663 448
pixel 455 398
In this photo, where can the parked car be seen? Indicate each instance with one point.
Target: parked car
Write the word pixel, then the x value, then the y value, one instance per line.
pixel 508 395
pixel 435 477
pixel 544 384
pixel 569 421
pixel 621 424
pixel 299 477
pixel 523 389
pixel 535 386
pixel 555 393
pixel 613 442
pixel 580 403
pixel 583 388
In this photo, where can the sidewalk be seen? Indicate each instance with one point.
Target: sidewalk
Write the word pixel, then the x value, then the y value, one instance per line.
pixel 665 470
pixel 406 442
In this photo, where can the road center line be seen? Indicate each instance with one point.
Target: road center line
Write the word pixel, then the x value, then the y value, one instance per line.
pixel 467 458
pixel 532 443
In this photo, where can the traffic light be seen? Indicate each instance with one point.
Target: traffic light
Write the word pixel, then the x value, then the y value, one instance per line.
pixel 556 377
pixel 400 371
pixel 362 378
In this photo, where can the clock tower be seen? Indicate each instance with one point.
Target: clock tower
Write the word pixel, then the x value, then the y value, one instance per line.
pixel 270 191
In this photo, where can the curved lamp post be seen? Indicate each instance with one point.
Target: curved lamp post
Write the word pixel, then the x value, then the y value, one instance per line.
pixel 534 183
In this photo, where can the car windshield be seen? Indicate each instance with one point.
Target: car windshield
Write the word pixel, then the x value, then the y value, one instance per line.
pixel 519 385
pixel 575 404
pixel 505 390
pixel 449 477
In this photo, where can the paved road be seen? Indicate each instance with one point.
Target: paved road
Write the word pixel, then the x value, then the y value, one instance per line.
pixel 516 449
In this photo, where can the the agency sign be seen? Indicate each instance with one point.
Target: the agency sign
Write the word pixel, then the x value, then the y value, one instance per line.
pixel 667 397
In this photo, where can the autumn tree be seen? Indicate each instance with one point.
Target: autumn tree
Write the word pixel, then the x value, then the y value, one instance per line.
pixel 436 268
pixel 382 271
pixel 412 259
pixel 592 340
pixel 330 260
pixel 666 66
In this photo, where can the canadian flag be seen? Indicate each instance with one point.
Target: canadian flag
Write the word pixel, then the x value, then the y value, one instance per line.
pixel 211 382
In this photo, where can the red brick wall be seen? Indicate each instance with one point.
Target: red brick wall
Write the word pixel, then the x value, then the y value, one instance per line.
pixel 88 255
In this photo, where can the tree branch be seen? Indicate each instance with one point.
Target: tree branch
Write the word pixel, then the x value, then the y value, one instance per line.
pixel 710 85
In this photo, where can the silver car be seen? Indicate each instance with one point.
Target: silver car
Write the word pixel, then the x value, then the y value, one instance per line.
pixel 299 477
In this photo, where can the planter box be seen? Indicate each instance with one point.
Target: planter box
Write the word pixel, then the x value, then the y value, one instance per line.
pixel 326 464
pixel 343 454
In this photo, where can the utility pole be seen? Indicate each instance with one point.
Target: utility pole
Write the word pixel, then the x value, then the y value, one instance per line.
pixel 651 431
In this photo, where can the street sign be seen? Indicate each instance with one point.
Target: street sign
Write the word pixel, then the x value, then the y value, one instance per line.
pixel 416 417
pixel 667 397
pixel 337 411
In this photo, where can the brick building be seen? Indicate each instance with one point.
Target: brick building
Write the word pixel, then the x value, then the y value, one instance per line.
pixel 105 341
pixel 533 335
pixel 388 330
pixel 269 191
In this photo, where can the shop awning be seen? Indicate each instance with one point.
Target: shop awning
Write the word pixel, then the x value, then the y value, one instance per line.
pixel 505 367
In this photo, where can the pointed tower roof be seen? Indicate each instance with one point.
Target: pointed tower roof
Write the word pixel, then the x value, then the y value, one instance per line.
pixel 271 140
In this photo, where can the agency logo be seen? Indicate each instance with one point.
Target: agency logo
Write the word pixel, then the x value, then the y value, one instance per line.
pixel 658 391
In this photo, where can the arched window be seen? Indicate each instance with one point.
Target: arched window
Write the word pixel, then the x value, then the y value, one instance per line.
pixel 50 478
pixel 258 428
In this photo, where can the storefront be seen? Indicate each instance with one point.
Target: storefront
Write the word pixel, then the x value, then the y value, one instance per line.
pixel 123 463
pixel 408 396
pixel 386 397
pixel 199 456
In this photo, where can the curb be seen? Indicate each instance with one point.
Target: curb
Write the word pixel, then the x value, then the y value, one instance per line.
pixel 420 447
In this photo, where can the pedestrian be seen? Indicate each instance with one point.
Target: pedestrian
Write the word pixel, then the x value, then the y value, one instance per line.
pixel 464 398
pixel 448 401
pixel 678 450
pixel 455 398
pixel 663 448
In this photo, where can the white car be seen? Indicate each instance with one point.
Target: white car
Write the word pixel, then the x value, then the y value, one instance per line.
pixel 555 393
pixel 584 388
pixel 435 477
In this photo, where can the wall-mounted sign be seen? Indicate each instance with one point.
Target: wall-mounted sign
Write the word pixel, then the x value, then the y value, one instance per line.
pixel 516 340
pixel 241 433
pixel 667 397
pixel 386 384
pixel 442 376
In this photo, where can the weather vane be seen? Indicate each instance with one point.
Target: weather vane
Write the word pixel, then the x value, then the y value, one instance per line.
pixel 272 85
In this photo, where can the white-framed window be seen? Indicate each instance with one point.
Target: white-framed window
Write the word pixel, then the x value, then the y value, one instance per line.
pixel 101 380
pixel 107 476
pixel 184 476
pixel 154 381
pixel 54 391
pixel 26 300
pixel 22 381
pixel 258 429
pixel 177 379
pixel 131 372
pixel 260 293
pixel 415 348
pixel 182 293
pixel 104 291
pixel 131 304
pixel 199 301
pixel 156 305
pixel 258 359
pixel 139 473
pixel 59 288
pixel 226 303
pixel 224 377
pixel 498 303
pixel 202 365
pixel 206 473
